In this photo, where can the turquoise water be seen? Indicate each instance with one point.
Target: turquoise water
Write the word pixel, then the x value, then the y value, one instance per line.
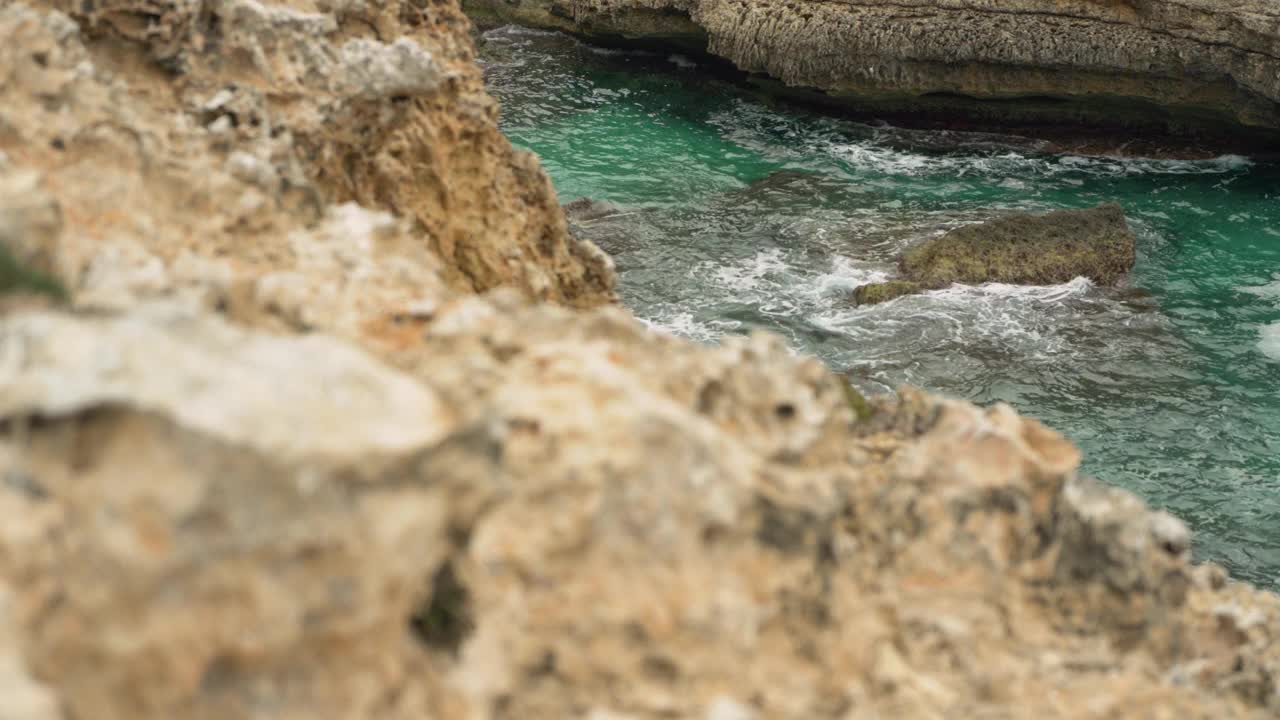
pixel 735 214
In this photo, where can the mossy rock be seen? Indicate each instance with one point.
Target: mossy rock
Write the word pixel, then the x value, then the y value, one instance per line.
pixel 19 279
pixel 1028 249
pixel 883 291
pixel 862 410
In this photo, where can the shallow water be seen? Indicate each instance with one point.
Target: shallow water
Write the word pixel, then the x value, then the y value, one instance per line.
pixel 737 214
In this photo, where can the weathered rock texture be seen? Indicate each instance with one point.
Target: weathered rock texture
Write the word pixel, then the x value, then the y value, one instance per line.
pixel 879 292
pixel 205 148
pixel 1019 249
pixel 544 514
pixel 1175 65
pixel 266 461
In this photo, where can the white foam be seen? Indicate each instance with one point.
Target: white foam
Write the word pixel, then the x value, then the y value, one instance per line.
pixel 517 31
pixel 751 274
pixel 882 153
pixel 510 33
pixel 683 324
pixel 1232 162
pixel 864 157
pixel 1152 166
pixel 611 52
pixel 869 156
pixel 1037 293
pixel 1269 341
pixel 1013 318
pixel 1269 290
pixel 845 275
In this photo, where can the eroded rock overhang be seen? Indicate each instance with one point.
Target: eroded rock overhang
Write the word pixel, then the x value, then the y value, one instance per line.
pixel 1194 68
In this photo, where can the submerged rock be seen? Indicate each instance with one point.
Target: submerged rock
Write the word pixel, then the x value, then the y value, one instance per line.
pixel 1019 249
pixel 585 209
pixel 783 180
pixel 1181 66
pixel 786 189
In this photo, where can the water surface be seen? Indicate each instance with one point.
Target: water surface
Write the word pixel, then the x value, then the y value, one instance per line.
pixel 736 214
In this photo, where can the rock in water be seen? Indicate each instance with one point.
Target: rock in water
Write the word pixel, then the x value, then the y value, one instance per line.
pixel 276 459
pixel 1028 249
pixel 1019 249
pixel 873 293
pixel 1179 66
pixel 585 209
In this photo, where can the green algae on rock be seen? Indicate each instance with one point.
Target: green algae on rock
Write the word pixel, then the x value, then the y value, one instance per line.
pixel 1027 249
pixel 1018 249
pixel 879 292
pixel 18 279
pixel 862 409
pixel 30 221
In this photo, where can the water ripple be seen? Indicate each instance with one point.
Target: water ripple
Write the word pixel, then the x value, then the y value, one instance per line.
pixel 737 215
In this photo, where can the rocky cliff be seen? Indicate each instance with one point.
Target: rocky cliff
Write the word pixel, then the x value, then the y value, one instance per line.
pixel 266 454
pixel 208 148
pixel 1177 66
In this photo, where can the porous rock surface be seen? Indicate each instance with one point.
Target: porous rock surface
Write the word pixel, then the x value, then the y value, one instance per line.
pixel 272 460
pixel 208 147
pixel 1172 65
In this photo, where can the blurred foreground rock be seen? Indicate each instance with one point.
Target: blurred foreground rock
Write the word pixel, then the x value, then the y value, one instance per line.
pixel 542 513
pixel 272 459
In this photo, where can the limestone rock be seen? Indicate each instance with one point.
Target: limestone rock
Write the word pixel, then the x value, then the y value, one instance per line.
pixel 241 388
pixel 226 503
pixel 275 461
pixel 1029 249
pixel 236 118
pixel 545 512
pixel 22 697
pixel 375 70
pixel 1020 249
pixel 1172 65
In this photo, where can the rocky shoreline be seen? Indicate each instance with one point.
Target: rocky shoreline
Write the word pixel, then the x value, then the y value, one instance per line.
pixel 311 407
pixel 1197 69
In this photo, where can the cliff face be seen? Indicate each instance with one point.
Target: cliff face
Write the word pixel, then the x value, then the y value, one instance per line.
pixel 207 148
pixel 272 459
pixel 1172 65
